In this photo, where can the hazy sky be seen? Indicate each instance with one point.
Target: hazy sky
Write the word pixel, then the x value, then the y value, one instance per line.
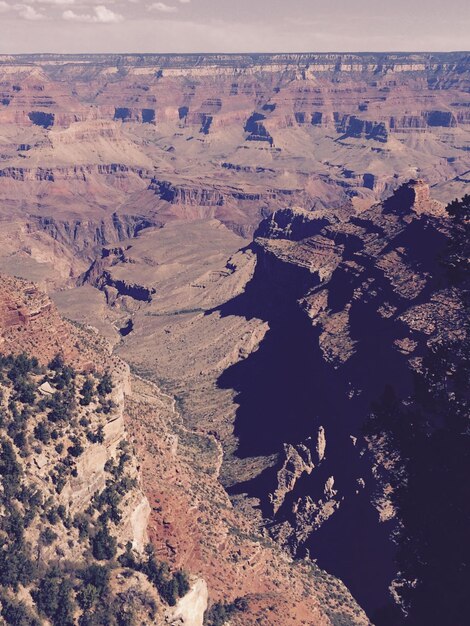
pixel 233 25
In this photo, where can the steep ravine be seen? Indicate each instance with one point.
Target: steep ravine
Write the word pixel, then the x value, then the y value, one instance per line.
pixel 285 392
pixel 84 235
pixel 342 327
pixel 350 305
pixel 101 446
pixel 61 252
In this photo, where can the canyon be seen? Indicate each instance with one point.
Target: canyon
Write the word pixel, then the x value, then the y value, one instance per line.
pixel 252 245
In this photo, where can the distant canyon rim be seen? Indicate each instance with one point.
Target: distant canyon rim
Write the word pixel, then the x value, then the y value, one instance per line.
pixel 226 223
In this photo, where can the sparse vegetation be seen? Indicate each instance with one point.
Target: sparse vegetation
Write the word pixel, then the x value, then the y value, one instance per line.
pixel 427 434
pixel 53 429
pixel 87 392
pixel 220 612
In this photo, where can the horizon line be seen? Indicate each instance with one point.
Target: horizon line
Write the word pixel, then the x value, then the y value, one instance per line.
pixel 251 53
pixel 238 53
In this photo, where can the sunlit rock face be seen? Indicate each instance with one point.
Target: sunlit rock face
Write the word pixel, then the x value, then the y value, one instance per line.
pixel 239 232
pixel 128 445
pixel 227 136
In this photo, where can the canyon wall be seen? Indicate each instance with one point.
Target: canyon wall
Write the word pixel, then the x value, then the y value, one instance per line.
pixel 279 349
pixel 112 467
pixel 233 137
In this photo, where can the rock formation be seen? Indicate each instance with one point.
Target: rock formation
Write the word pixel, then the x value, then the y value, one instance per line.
pixel 95 147
pixel 239 231
pixel 133 473
pixel 371 290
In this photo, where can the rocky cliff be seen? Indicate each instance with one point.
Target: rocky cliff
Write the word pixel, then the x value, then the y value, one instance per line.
pixel 123 515
pixel 275 353
pixel 227 136
pixel 352 307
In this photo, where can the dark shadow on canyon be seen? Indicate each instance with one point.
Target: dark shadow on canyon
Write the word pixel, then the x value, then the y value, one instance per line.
pixel 285 391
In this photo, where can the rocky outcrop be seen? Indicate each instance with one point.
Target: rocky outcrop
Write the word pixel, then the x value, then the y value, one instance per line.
pixel 30 323
pixel 358 297
pixel 256 129
pixel 85 235
pixel 190 610
pixel 294 224
pixel 186 195
pixel 352 126
pixel 124 288
pixel 316 131
pixel 297 460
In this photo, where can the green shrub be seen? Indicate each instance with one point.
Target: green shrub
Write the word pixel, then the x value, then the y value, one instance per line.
pixel 17 613
pixel 76 449
pixel 10 470
pixel 103 544
pixel 220 612
pixel 54 599
pixel 105 386
pixel 87 391
pixel 42 432
pixel 170 587
pixel 16 566
pixel 25 391
pixel 47 537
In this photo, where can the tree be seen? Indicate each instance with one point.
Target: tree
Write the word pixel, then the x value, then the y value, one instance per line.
pixel 62 405
pixel 76 449
pixel 182 582
pixel 17 613
pixel 457 256
pixel 103 544
pixel 459 210
pixel 47 537
pixel 87 596
pixel 54 599
pixel 42 432
pixel 429 434
pixel 16 566
pixel 25 391
pixel 87 392
pixel 57 363
pixel 105 386
pixel 10 470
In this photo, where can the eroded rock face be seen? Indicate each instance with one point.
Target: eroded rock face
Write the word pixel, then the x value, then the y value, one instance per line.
pixel 246 135
pixel 30 323
pixel 173 497
pixel 194 525
pixel 368 288
pixel 294 224
pixel 298 459
pixel 190 610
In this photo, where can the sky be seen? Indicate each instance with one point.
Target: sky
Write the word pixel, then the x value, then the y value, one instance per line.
pixel 85 26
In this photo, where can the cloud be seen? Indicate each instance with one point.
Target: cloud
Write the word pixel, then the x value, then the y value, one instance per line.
pixel 101 15
pixel 55 2
pixel 106 16
pixel 162 7
pixel 27 12
pixel 141 31
pixel 4 6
